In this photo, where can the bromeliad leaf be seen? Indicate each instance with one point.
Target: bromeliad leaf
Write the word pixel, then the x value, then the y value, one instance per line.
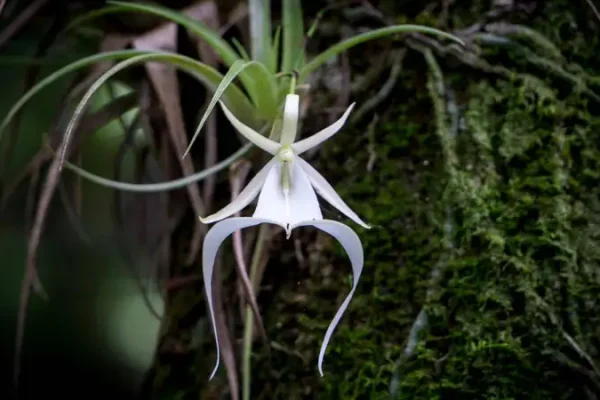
pixel 91 15
pixel 260 32
pixel 275 49
pixel 264 89
pixel 55 76
pixel 232 96
pixel 221 47
pixel 240 49
pixel 161 186
pixel 365 37
pixel 293 35
pixel 203 72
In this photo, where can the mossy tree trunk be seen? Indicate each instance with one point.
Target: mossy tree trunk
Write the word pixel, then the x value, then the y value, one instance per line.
pixel 480 176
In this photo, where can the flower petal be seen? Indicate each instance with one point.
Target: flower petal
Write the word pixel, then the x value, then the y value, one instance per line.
pixel 212 241
pixel 321 136
pixel 245 197
pixel 301 203
pixel 325 190
pixel 353 247
pixel 291 110
pixel 259 140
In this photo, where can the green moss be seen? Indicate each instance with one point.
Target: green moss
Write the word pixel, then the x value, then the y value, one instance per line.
pixel 483 198
pixel 519 268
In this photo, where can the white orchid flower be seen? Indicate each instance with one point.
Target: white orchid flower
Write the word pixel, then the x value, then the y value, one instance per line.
pixel 287 198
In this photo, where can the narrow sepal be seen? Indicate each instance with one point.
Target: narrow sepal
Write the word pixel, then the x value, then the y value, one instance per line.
pixel 326 191
pixel 321 136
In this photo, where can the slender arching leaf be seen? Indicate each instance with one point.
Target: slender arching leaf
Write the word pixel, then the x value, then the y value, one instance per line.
pixel 260 32
pixel 364 37
pixel 234 97
pixel 162 186
pixel 219 45
pixel 263 92
pixel 203 72
pixel 227 80
pixel 92 15
pixel 293 35
pixel 275 50
pixel 53 77
pixel 255 88
pixel 240 49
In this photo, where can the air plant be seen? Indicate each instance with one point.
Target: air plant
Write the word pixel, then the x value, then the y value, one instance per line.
pixel 258 102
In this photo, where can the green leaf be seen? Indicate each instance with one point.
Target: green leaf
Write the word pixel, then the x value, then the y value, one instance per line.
pixel 219 45
pixel 365 37
pixel 257 85
pixel 264 88
pixel 162 186
pixel 55 76
pixel 203 72
pixel 240 49
pixel 293 36
pixel 276 49
pixel 92 15
pixel 234 97
pixel 260 32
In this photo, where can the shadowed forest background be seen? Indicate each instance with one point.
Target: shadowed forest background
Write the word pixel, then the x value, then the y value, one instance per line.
pixel 477 167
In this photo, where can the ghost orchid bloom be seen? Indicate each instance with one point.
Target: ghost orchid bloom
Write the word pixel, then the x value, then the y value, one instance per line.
pixel 287 186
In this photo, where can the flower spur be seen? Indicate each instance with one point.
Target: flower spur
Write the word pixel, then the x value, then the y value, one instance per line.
pixel 287 198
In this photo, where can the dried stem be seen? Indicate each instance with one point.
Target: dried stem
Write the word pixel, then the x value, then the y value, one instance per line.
pixel 238 176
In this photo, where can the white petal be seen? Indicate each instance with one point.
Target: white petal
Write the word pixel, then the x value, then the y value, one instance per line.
pixel 303 199
pixel 319 137
pixel 325 190
pixel 245 197
pixel 291 111
pixel 212 241
pixel 301 203
pixel 259 140
pixel 353 247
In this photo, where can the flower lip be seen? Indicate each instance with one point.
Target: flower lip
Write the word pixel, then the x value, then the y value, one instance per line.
pixel 346 237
